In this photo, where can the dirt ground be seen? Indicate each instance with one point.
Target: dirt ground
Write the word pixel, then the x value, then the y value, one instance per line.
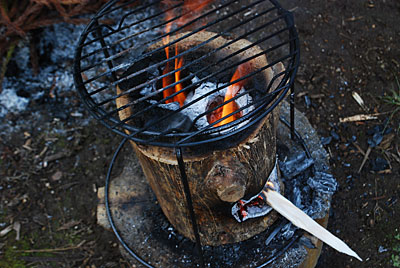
pixel 51 168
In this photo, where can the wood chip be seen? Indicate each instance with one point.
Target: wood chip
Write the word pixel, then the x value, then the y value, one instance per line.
pixel 16 226
pixel 317 96
pixel 16 200
pixel 385 171
pixel 6 230
pixel 359 117
pixel 17 229
pixel 359 100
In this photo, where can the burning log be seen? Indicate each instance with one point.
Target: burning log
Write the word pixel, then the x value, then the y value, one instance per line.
pixel 217 177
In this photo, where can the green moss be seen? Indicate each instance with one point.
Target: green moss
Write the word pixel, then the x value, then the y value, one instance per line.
pixel 395 258
pixel 12 257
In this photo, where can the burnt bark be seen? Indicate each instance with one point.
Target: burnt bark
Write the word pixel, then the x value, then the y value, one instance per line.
pixel 216 180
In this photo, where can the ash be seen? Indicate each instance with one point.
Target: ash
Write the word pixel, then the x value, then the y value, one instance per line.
pixel 201 103
pixel 56 50
pixel 9 100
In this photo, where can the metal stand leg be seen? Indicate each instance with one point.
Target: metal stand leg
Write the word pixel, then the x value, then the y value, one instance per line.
pixel 291 101
pixel 189 203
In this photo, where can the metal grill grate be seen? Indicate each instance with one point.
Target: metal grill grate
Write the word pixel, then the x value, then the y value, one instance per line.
pixel 120 64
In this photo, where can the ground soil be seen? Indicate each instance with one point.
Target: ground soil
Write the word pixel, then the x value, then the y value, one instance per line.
pixel 51 168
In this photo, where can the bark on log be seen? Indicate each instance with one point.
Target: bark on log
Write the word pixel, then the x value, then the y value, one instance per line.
pixel 134 217
pixel 216 178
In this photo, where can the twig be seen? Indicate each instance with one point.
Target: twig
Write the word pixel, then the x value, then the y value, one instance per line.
pixel 365 159
pixel 378 197
pixel 358 148
pixel 49 250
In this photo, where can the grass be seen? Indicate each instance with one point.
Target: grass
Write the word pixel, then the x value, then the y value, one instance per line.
pixel 396 251
pixel 11 258
pixel 393 100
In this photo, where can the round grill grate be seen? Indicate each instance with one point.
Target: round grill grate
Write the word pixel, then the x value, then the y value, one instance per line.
pixel 136 60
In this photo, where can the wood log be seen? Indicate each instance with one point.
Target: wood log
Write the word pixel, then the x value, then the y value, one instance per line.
pixel 217 178
pixel 134 218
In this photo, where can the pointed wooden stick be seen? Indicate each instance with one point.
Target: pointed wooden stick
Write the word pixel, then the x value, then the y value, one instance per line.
pixel 288 210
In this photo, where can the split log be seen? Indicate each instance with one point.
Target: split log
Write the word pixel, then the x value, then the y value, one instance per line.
pixel 216 178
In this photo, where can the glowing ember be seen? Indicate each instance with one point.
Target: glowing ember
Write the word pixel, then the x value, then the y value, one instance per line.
pixel 257 206
pixel 217 114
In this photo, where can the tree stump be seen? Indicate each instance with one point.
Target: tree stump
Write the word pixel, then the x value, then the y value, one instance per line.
pixel 216 178
pixel 141 223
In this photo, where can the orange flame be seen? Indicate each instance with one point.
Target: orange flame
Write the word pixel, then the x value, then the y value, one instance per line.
pixel 231 92
pixel 189 7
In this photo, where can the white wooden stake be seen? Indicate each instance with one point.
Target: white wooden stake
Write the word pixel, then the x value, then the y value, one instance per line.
pixel 288 210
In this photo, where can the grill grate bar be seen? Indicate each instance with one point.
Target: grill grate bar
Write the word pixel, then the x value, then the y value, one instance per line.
pixel 206 77
pixel 160 37
pixel 204 130
pixel 153 41
pixel 119 28
pixel 198 83
pixel 162 63
pixel 113 44
pixel 128 91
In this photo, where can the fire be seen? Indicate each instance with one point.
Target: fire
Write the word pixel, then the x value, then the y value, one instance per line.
pixel 231 92
pixel 170 79
pixel 189 8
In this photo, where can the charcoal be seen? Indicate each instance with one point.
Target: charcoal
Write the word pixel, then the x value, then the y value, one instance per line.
pixel 135 80
pixel 288 231
pixel 273 234
pixel 305 241
pixel 326 140
pixel 174 123
pixel 295 166
pixel 335 135
pixel 323 182
pixel 376 139
pixel 379 164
